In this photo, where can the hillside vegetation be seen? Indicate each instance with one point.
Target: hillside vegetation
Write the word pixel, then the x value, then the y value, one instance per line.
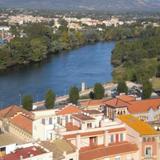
pixel 138 59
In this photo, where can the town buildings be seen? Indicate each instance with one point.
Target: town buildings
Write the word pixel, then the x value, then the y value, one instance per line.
pixel 108 129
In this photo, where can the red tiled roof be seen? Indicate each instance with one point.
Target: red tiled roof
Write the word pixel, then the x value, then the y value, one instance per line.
pixel 92 111
pixel 91 153
pixel 25 152
pixel 69 110
pixel 143 105
pixel 127 98
pixel 82 117
pixel 85 134
pixel 116 103
pixel 12 110
pixel 116 130
pixel 22 122
pixel 71 127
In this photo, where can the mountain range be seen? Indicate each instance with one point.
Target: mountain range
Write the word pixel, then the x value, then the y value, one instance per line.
pixel 107 5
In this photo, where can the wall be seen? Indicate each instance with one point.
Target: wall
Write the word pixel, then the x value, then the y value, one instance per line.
pixel 19 132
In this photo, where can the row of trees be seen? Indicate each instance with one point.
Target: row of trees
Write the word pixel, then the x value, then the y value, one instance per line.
pixel 97 93
pixel 146 89
pixel 34 42
pixel 50 97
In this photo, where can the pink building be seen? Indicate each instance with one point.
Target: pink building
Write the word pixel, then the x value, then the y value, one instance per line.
pixel 146 137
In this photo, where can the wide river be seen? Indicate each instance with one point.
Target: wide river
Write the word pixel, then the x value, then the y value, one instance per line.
pixel 89 64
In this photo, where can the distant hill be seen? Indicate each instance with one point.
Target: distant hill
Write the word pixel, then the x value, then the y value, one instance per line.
pixel 107 5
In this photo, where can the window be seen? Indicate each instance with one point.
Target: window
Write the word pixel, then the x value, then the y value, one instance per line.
pixel 50 120
pixel 89 125
pixel 148 151
pixel 144 139
pixel 121 137
pixel 43 121
pixel 112 138
pixel 3 149
pixel 67 120
pixel 93 141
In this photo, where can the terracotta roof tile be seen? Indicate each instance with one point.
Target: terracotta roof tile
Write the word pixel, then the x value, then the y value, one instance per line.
pixel 85 134
pixel 116 103
pixel 140 106
pixel 116 130
pixel 91 153
pixel 82 117
pixel 25 152
pixel 71 127
pixel 22 122
pixel 127 98
pixel 12 110
pixel 70 109
pixel 92 111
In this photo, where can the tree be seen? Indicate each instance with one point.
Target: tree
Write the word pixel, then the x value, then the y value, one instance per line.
pixel 91 95
pixel 98 91
pixel 122 87
pixel 27 102
pixel 50 98
pixel 147 90
pixel 73 95
pixel 158 71
pixel 39 49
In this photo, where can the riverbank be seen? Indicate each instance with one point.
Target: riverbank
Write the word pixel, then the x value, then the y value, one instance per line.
pixel 89 64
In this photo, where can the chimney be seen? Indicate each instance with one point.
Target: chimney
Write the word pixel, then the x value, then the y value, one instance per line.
pixel 78 141
pixel 21 157
pixel 31 155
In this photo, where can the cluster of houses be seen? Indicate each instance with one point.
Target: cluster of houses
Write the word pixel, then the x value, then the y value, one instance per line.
pixel 121 128
pixel 5 35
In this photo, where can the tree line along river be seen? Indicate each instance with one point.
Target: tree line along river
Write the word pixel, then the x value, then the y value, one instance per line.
pixel 89 64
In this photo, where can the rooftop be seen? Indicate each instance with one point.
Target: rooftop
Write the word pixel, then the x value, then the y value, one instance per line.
pixel 116 103
pixel 24 152
pixel 82 117
pixel 91 153
pixel 92 111
pixel 71 127
pixel 127 98
pixel 139 126
pixel 92 102
pixel 7 138
pixel 69 109
pixel 22 122
pixel 140 106
pixel 12 110
pixel 58 147
pixel 85 134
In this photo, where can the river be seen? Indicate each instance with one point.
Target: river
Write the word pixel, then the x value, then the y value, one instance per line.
pixel 89 64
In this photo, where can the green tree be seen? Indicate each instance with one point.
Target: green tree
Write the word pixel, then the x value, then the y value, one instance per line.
pixel 122 87
pixel 91 95
pixel 158 71
pixel 73 95
pixel 147 90
pixel 27 102
pixel 50 98
pixel 39 49
pixel 98 91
